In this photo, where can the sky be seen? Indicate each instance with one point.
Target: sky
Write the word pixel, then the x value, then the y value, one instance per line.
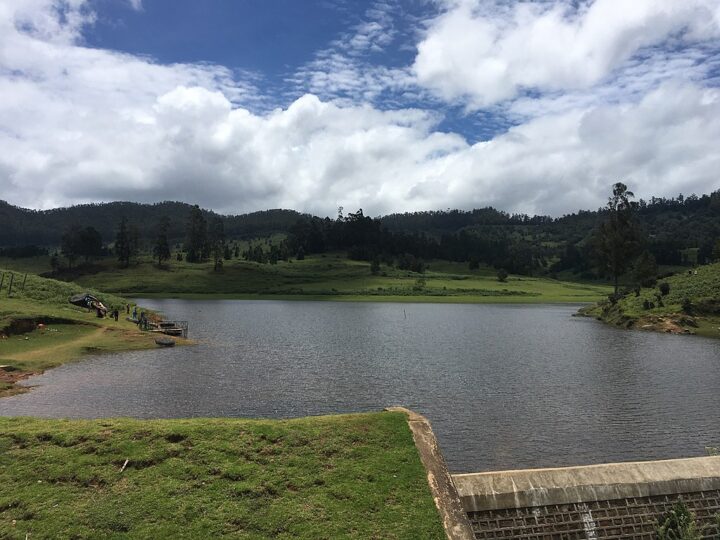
pixel 535 107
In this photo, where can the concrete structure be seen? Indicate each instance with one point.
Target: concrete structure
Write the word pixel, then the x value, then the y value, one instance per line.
pixel 613 501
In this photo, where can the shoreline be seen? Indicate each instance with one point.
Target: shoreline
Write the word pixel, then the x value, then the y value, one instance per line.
pixel 399 299
pixel 90 339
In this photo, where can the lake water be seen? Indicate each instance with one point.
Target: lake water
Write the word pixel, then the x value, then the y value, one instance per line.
pixel 505 386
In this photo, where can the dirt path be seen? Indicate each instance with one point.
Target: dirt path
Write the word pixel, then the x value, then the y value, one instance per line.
pixel 61 347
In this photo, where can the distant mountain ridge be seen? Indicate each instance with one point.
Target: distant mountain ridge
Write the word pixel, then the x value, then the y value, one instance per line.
pixel 22 226
pixel 680 230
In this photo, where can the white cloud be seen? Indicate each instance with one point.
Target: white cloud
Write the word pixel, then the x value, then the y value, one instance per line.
pixel 483 53
pixel 80 125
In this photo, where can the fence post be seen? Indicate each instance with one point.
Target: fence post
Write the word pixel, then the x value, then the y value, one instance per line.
pixel 2 280
pixel 12 277
pixel 24 280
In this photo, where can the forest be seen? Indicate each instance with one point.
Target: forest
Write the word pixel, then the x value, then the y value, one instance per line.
pixel 675 231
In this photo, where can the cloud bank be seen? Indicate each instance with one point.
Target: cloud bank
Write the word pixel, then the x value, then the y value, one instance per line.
pixel 598 96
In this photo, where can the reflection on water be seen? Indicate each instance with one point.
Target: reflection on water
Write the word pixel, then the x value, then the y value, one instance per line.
pixel 504 386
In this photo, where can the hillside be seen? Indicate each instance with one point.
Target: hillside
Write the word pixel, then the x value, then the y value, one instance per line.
pixel 331 277
pixel 21 226
pixel 676 231
pixel 691 305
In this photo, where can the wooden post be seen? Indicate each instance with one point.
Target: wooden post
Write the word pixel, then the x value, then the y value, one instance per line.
pixel 24 280
pixel 2 280
pixel 12 277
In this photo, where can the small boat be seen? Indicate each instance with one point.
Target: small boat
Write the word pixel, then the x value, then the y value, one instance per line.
pixel 165 342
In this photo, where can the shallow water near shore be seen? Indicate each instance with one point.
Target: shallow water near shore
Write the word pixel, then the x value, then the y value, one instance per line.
pixel 505 386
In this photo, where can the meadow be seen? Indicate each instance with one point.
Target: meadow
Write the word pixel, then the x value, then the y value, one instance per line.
pixel 322 277
pixel 350 476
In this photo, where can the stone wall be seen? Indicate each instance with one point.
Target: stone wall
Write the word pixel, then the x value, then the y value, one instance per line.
pixel 612 501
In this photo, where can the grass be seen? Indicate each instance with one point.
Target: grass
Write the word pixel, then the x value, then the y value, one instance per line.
pixel 69 331
pixel 702 289
pixel 351 476
pixel 332 277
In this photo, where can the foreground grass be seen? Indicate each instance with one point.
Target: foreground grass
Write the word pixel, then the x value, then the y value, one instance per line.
pixel 331 277
pixel 69 333
pixel 351 476
pixel 702 316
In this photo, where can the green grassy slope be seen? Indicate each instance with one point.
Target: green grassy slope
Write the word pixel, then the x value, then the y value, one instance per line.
pixel 333 277
pixel 701 315
pixel 352 476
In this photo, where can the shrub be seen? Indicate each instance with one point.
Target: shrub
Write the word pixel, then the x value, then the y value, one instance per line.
pixel 678 523
pixel 687 306
pixel 664 288
pixel 502 275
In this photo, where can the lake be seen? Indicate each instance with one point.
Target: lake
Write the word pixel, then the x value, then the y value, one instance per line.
pixel 505 386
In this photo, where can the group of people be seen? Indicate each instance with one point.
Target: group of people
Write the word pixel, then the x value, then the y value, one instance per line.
pixel 142 322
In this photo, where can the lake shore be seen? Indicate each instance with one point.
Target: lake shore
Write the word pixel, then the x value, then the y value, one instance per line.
pixel 684 303
pixel 40 330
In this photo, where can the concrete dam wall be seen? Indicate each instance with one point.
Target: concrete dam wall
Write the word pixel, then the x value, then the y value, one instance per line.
pixel 612 501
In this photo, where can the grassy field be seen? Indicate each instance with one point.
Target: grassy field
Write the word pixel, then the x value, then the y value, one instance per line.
pixel 351 476
pixel 702 316
pixel 69 331
pixel 331 277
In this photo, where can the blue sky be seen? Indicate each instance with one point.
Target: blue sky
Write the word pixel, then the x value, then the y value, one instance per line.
pixel 388 105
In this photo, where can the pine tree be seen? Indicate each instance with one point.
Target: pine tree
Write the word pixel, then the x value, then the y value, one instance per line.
pixel 616 239
pixel 162 246
pixel 196 244
pixel 123 249
pixel 217 242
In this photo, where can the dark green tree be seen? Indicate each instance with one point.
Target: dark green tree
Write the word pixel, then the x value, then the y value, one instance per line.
pixel 616 239
pixel 196 243
pixel 55 263
pixel 161 250
pixel 217 242
pixel 716 251
pixel 375 266
pixel 70 244
pixel 645 270
pixel 123 247
pixel 89 243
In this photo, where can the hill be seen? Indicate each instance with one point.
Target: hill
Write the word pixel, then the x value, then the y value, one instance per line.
pixel 22 227
pixel 685 303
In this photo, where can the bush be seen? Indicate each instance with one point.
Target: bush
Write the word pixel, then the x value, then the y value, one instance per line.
pixel 664 288
pixel 678 523
pixel 614 298
pixel 502 275
pixel 687 306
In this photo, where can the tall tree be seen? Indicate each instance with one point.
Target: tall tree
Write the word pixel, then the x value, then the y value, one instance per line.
pixel 161 250
pixel 217 242
pixel 645 270
pixel 70 244
pixel 89 243
pixel 196 243
pixel 616 239
pixel 123 247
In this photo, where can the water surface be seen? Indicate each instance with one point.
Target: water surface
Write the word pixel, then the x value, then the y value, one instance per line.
pixel 505 386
